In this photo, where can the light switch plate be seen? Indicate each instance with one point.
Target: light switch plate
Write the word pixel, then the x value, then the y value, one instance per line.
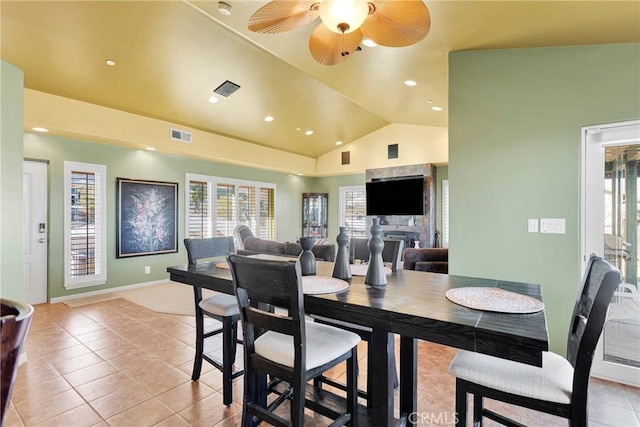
pixel 552 225
pixel 533 225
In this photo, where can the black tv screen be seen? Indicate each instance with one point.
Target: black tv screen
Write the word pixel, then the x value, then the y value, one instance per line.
pixel 399 196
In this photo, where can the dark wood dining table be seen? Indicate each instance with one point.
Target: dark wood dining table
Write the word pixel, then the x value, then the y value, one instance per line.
pixel 412 305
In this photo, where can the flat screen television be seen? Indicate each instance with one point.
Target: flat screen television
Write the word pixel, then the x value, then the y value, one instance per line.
pixel 397 196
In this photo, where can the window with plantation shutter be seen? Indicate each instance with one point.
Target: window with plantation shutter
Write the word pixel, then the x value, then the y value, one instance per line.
pixel 199 216
pixel 85 245
pixel 236 202
pixel 266 213
pixel 353 210
pixel 225 209
pixel 247 203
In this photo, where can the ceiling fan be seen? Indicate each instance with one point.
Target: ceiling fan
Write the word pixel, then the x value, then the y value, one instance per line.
pixel 393 23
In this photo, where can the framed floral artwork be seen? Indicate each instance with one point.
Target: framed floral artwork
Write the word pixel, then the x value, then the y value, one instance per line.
pixel 146 217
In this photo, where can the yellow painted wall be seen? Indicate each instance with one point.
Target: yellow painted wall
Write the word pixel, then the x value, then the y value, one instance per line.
pixel 76 119
pixel 416 145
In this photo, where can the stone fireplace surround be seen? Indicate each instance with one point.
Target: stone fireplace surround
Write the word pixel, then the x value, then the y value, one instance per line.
pixel 410 228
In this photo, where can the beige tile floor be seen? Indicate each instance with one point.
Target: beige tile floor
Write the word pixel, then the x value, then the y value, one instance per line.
pixel 116 363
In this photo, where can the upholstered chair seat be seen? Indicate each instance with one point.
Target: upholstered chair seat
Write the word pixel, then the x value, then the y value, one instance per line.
pixel 220 305
pixel 553 382
pixel 324 344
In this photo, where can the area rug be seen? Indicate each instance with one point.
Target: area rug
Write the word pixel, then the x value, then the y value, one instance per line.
pixel 170 297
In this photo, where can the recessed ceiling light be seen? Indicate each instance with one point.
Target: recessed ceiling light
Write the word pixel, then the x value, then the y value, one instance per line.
pixel 37 129
pixel 436 108
pixel 410 83
pixel 214 100
pixel 110 62
pixel 369 43
pixel 298 129
pixel 268 119
pixel 338 142
pixel 429 101
pixel 224 8
pixel 150 149
pixel 309 132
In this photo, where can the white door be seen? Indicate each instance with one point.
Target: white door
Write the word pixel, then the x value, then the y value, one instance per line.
pixel 36 231
pixel 611 197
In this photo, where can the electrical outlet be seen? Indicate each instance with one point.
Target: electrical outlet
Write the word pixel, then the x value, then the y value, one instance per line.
pixel 147 269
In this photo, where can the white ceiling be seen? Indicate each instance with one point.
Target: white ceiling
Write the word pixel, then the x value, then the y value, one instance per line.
pixel 171 55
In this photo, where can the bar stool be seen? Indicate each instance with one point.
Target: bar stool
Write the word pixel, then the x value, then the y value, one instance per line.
pixel 221 307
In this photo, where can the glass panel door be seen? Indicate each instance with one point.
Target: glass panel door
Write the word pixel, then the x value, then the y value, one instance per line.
pixel 621 337
pixel 610 219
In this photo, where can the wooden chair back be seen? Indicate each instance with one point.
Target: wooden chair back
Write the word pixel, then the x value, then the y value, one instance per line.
pixel 392 252
pixel 209 247
pixel 589 315
pixel 262 282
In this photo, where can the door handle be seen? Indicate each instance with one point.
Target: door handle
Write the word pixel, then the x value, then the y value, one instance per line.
pixel 42 240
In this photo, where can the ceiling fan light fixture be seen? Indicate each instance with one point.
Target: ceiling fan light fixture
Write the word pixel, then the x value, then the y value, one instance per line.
pixel 224 8
pixel 343 16
pixel 368 42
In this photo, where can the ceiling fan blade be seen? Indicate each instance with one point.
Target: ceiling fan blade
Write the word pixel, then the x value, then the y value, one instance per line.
pixel 397 23
pixel 279 16
pixel 329 48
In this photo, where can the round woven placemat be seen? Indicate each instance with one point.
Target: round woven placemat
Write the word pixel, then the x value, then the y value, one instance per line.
pixel 223 264
pixel 494 299
pixel 315 285
pixel 361 270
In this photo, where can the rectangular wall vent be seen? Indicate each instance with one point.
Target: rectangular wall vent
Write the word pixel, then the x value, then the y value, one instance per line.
pixel 180 135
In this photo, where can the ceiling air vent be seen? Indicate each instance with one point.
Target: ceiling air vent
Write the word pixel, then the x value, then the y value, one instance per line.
pixel 227 88
pixel 181 135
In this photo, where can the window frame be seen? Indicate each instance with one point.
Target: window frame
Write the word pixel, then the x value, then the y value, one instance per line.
pixel 445 214
pixel 343 190
pixel 99 278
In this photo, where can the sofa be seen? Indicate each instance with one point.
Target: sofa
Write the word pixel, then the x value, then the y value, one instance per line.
pixel 256 245
pixel 434 260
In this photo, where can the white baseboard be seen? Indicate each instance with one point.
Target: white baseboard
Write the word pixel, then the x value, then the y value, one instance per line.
pixel 107 291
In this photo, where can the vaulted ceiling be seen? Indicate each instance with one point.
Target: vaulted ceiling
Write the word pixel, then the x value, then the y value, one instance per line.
pixel 170 56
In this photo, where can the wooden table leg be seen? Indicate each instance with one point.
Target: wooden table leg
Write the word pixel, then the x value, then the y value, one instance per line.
pixel 408 378
pixel 380 373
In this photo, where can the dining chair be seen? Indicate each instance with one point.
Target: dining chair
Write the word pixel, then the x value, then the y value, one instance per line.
pixel 560 386
pixel 391 253
pixel 219 306
pixel 285 344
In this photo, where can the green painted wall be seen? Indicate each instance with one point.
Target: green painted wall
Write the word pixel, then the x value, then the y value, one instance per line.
pixel 514 153
pixel 11 119
pixel 137 164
